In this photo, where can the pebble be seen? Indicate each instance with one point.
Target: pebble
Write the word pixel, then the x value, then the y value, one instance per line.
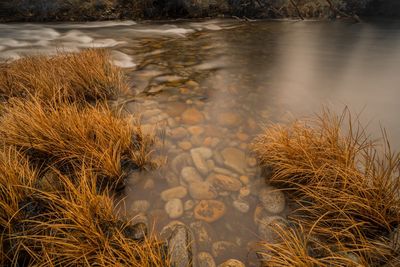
pixel 224 182
pixel 199 160
pixel 209 210
pixel 175 192
pixel 204 259
pixel 178 133
pixel 242 137
pixel 267 230
pixel 252 162
pixel 196 130
pixel 228 119
pixel 244 179
pixel 180 161
pixel 234 158
pixel 232 263
pixel 188 205
pixel 192 116
pixel 225 172
pixel 244 192
pixel 179 240
pixel 190 175
pixel 148 184
pixel 185 145
pixel 202 190
pixel 241 206
pixel 174 208
pixel 272 199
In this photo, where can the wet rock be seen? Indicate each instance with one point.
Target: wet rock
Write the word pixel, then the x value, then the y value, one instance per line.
pixel 209 210
pixel 190 175
pixel 241 206
pixel 174 208
pixel 244 179
pixel 199 157
pixel 175 109
pixel 179 240
pixel 204 259
pixel 180 161
pixel 228 119
pixel 202 190
pixel 267 228
pixel 205 152
pixel 178 133
pixel 140 206
pixel 210 164
pixel 259 213
pixel 252 162
pixel 224 182
pixel 197 140
pixel 272 199
pixel 196 130
pixel 185 145
pixel 225 172
pixel 175 192
pixel 192 84
pixel 232 263
pixel 234 158
pixel 203 234
pixel 221 248
pixel 242 137
pixel 148 184
pixel 244 192
pixel 188 205
pixel 192 116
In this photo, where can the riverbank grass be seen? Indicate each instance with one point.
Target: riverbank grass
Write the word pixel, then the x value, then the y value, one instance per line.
pixel 345 190
pixel 86 76
pixel 64 155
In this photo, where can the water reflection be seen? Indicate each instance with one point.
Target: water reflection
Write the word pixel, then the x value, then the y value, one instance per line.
pixel 210 85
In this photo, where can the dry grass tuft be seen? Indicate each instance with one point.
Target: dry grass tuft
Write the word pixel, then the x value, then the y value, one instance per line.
pixel 67 136
pixel 74 225
pixel 64 152
pixel 345 188
pixel 85 76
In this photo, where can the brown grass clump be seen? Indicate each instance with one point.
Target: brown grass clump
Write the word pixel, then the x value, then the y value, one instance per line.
pixel 85 76
pixel 67 225
pixel 345 188
pixel 67 136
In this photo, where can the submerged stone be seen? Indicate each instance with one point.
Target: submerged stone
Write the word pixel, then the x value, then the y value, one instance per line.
pixel 232 263
pixel 205 259
pixel 202 190
pixel 179 240
pixel 175 192
pixel 174 208
pixel 225 182
pixel 272 199
pixel 234 158
pixel 192 116
pixel 209 210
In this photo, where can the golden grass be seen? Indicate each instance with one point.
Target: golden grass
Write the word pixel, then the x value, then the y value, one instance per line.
pixel 345 188
pixel 72 226
pixel 85 76
pixel 63 154
pixel 67 136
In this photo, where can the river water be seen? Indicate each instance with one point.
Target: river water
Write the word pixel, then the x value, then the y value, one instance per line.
pixel 209 85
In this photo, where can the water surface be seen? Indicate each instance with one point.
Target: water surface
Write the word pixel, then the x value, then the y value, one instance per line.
pixel 208 85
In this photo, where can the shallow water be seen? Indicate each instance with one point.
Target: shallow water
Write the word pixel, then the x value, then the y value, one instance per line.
pixel 210 84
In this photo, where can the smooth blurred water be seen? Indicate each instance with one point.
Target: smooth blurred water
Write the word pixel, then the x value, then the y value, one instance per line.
pixel 261 72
